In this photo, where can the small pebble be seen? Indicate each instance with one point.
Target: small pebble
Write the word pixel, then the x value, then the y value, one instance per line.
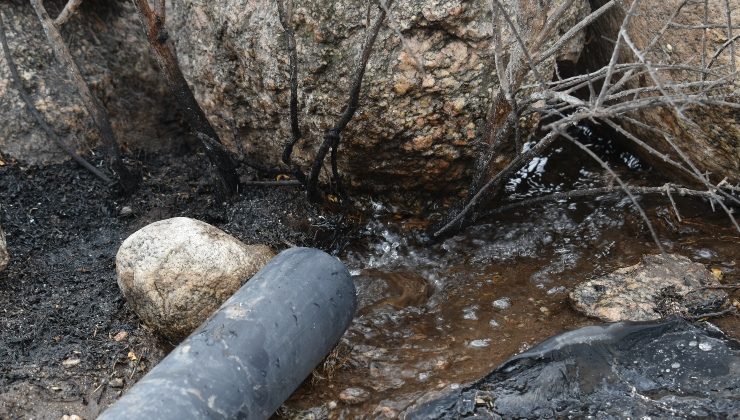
pixel 544 310
pixel 116 383
pixel 120 336
pixel 71 417
pixel 72 361
pixel 676 365
pixel 557 290
pixel 705 346
pixel 126 211
pixel 469 313
pixel 493 323
pixel 480 343
pixel 503 303
pixel 354 396
pixel 331 405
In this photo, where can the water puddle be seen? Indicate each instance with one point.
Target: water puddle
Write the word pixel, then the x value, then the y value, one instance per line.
pixel 432 317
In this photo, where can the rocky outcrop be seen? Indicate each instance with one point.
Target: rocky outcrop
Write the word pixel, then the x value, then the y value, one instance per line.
pixel 108 44
pixel 422 104
pixel 624 370
pixel 712 141
pixel 657 287
pixel 4 257
pixel 176 272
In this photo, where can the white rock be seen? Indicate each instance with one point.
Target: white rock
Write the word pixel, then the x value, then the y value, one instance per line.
pixel 4 257
pixel 354 395
pixel 502 304
pixel 175 273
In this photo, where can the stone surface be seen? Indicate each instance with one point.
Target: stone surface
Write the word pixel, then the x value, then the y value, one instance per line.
pixel 174 273
pixel 108 44
pixel 354 396
pixel 413 127
pixel 654 288
pixel 713 143
pixel 4 256
pixel 669 369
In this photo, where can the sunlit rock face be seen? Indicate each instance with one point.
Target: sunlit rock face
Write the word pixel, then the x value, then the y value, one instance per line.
pixel 424 97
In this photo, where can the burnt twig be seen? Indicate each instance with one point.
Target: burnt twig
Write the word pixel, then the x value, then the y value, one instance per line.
pixel 332 137
pixel 284 183
pixel 295 128
pixel 126 179
pixel 154 20
pixel 35 112
pixel 728 311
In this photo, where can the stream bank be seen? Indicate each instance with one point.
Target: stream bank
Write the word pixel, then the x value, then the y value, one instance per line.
pixel 431 317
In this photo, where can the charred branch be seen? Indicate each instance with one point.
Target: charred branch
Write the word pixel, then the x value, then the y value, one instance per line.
pixel 295 128
pixel 332 137
pixel 218 155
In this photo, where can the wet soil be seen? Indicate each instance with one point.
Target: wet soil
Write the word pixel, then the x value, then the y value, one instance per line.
pixel 68 342
pixel 498 288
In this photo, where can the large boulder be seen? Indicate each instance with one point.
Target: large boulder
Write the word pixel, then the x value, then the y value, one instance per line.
pixel 176 272
pixel 414 127
pixel 4 257
pixel 657 287
pixel 108 44
pixel 708 135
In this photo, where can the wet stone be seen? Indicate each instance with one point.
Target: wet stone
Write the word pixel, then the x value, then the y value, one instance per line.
pixel 655 288
pixel 503 303
pixel 621 370
pixel 354 396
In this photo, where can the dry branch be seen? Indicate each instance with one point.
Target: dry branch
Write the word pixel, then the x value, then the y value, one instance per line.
pixel 666 189
pixel 35 112
pixel 621 94
pixel 126 179
pixel 69 10
pixel 220 158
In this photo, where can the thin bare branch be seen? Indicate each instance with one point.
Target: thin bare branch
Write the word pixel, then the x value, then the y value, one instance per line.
pixel 35 112
pixel 295 128
pixel 126 179
pixel 333 136
pixel 666 189
pixel 69 10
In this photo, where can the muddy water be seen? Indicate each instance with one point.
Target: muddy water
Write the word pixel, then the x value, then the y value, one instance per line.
pixel 433 317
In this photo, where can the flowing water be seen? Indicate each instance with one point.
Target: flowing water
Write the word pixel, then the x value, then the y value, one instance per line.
pixel 434 317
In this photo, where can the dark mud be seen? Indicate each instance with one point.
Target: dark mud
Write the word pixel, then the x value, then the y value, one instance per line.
pixel 68 343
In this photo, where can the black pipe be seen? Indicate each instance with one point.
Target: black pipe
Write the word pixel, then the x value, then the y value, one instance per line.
pixel 248 358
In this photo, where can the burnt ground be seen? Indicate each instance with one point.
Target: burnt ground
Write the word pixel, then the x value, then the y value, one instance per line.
pixel 58 297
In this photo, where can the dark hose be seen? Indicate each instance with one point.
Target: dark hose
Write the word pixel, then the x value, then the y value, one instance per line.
pixel 251 355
